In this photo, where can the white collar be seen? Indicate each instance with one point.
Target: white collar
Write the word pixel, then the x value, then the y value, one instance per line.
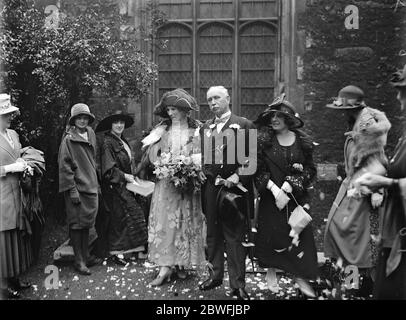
pixel 225 115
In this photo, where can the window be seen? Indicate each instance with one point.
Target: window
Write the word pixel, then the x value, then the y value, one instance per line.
pixel 234 43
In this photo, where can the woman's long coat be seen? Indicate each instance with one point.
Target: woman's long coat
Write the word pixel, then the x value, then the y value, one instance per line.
pixel 77 170
pixel 273 243
pixel 10 192
pixel 127 225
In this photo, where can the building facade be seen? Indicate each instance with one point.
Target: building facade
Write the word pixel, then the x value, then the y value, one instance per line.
pixel 248 46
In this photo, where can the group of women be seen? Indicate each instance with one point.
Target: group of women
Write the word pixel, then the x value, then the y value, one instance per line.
pixel 173 231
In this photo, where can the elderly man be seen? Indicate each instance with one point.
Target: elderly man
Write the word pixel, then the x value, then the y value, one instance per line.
pixel 228 178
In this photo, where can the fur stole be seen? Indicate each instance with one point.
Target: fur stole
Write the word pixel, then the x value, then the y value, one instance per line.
pixel 369 135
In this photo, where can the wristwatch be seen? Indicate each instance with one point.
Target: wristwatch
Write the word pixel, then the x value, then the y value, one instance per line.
pixel 395 182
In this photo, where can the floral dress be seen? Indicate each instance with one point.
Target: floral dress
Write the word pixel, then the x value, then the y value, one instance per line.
pixel 176 233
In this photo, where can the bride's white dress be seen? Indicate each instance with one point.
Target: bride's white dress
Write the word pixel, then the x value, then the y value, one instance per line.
pixel 176 231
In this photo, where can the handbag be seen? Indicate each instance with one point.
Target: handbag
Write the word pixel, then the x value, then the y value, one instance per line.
pixel 298 220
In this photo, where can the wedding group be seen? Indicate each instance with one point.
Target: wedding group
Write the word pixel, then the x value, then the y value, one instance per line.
pixel 207 199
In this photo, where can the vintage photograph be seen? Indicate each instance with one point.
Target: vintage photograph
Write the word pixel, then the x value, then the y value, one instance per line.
pixel 202 150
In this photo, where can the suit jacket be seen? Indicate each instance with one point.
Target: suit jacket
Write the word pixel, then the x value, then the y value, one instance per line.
pixel 228 164
pixel 10 192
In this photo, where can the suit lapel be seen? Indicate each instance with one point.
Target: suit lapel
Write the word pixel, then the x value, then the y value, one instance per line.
pixel 231 120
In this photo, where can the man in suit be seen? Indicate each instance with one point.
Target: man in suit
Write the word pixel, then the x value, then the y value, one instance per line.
pixel 226 168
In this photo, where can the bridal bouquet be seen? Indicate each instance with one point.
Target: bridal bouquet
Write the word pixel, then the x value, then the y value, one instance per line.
pixel 182 171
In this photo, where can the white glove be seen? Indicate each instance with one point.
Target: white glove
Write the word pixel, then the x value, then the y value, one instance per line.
pixel 287 187
pixel 15 167
pixel 281 199
pixel 295 236
pixel 129 178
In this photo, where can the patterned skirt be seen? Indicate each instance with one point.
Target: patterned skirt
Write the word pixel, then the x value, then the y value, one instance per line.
pixel 15 253
pixel 177 227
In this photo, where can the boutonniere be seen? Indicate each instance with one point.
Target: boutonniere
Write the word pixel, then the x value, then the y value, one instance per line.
pixel 235 126
pixel 212 126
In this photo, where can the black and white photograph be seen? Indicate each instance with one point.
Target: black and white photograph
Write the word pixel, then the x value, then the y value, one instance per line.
pixel 202 154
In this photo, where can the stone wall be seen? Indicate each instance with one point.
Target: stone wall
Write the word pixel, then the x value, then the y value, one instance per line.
pixel 335 57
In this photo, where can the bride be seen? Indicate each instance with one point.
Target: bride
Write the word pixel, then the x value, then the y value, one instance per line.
pixel 176 236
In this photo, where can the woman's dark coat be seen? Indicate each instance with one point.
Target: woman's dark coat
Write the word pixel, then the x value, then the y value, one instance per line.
pixel 127 225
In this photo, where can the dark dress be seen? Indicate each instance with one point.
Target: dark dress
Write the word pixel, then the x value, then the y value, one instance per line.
pixel 273 240
pixel 394 219
pixel 127 226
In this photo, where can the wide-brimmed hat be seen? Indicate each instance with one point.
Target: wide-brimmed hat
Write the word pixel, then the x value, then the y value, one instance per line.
pixel 349 97
pixel 178 98
pixel 398 78
pixel 5 104
pixel 284 107
pixel 79 109
pixel 117 115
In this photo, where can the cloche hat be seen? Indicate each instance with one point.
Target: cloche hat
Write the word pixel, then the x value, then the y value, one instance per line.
pixel 349 97
pixel 79 109
pixel 5 104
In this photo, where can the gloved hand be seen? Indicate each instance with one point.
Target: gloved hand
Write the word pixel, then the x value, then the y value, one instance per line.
pixel 232 181
pixel 287 187
pixel 74 196
pixel 281 199
pixel 129 178
pixel 18 166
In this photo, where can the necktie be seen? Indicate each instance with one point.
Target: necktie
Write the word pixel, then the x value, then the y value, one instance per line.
pixel 220 120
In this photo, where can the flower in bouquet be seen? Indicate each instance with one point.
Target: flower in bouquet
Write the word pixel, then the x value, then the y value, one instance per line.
pixel 181 170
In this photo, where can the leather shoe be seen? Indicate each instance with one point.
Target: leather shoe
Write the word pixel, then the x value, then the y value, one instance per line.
pixel 210 284
pixel 119 261
pixel 82 269
pixel 17 284
pixel 241 294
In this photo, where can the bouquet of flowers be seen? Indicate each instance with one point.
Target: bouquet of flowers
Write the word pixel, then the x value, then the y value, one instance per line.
pixel 182 171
